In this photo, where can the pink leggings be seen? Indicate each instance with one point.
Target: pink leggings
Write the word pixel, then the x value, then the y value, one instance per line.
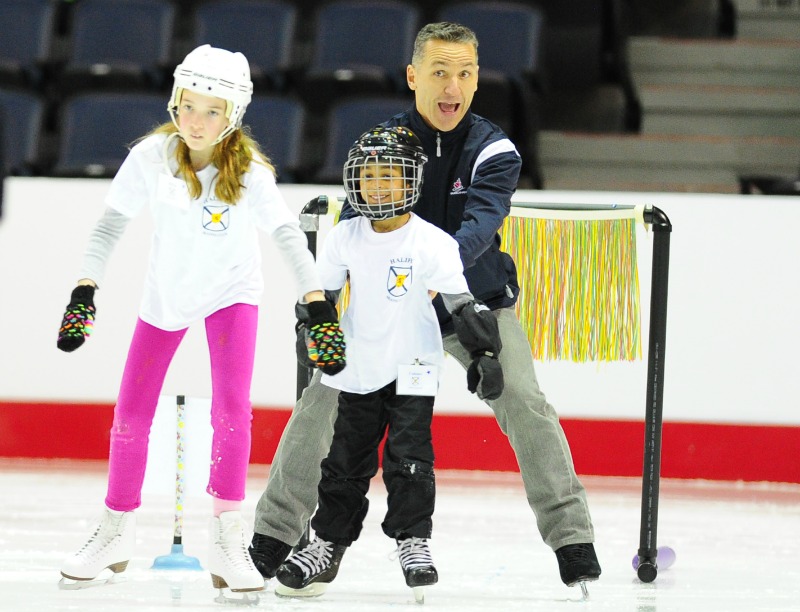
pixel 231 335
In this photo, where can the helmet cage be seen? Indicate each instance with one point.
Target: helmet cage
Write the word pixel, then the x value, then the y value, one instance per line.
pixel 382 147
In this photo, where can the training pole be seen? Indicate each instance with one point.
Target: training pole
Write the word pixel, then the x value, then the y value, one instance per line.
pixel 176 559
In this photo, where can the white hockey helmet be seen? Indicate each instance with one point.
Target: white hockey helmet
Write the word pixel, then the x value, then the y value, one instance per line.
pixel 214 72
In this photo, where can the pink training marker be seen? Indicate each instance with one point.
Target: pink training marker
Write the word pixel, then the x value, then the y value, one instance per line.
pixel 665 557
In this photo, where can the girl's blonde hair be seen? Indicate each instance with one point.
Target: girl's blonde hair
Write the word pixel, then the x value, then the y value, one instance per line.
pixel 232 157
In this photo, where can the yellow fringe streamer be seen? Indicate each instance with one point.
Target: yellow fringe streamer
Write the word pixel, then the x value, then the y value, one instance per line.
pixel 579 287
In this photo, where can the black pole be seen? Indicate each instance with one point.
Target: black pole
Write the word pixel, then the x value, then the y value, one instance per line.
pixel 309 223
pixel 651 473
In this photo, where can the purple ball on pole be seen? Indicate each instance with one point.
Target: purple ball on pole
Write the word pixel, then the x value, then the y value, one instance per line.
pixel 665 557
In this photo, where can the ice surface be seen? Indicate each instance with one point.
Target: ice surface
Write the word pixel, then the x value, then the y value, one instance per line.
pixel 736 547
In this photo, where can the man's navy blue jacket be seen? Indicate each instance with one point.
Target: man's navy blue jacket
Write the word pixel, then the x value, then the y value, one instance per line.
pixel 468 181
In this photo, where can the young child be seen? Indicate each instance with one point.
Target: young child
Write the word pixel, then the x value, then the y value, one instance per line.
pixel 395 263
pixel 209 189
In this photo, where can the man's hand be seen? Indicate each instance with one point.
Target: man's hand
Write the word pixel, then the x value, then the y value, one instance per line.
pixel 485 377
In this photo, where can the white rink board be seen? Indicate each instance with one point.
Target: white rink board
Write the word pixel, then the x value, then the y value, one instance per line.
pixel 731 330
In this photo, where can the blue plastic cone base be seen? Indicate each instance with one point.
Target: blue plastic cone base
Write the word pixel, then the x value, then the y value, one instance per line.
pixel 176 560
pixel 665 557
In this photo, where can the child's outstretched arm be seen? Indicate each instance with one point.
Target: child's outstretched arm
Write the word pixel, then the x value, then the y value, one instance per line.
pixel 78 320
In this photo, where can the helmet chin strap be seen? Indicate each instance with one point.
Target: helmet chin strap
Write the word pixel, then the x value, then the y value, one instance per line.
pixel 230 129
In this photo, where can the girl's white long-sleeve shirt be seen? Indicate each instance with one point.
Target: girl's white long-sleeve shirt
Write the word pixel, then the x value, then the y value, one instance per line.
pixel 205 253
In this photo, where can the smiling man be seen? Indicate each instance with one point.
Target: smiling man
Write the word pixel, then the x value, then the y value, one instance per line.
pixel 470 176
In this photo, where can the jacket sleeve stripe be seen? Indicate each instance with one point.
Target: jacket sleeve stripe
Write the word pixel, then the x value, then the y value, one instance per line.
pixel 495 148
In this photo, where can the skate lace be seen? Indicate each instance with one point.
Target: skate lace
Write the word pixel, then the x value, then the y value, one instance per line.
pixel 314 558
pixel 234 545
pixel 413 553
pixel 575 553
pixel 107 530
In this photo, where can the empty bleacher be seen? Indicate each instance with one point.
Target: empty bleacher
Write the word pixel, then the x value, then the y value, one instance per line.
pixel 704 92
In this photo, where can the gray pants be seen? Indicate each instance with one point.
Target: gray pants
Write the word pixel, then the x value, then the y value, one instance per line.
pixel 554 492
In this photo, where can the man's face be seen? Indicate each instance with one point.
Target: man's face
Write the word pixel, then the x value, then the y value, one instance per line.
pixel 444 83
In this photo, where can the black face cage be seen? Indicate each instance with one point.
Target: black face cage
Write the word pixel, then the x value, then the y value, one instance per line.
pixel 411 172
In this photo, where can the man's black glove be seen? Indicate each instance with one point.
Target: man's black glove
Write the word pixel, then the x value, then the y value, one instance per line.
pixel 477 330
pixel 485 377
pixel 320 342
pixel 78 320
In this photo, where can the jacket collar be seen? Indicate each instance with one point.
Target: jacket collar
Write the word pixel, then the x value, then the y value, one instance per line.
pixel 428 134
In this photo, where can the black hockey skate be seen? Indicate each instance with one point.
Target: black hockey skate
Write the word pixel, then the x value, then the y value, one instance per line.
pixel 268 553
pixel 308 572
pixel 578 564
pixel 417 563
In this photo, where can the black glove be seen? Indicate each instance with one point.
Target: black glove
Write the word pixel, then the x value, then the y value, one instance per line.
pixel 485 377
pixel 78 320
pixel 320 342
pixel 477 330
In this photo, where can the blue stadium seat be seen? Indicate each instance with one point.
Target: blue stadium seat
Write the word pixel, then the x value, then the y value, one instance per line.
pixel 360 48
pixel 26 40
pixel 347 120
pixel 589 85
pixel 97 129
pixel 21 115
pixel 263 30
pixel 119 43
pixel 277 123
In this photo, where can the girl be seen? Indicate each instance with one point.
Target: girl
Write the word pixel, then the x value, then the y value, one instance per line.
pixel 209 190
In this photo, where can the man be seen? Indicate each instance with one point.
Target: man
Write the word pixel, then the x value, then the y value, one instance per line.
pixel 470 176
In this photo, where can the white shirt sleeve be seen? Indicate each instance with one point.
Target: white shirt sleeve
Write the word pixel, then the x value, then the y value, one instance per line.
pixel 293 245
pixel 331 259
pixel 102 240
pixel 447 276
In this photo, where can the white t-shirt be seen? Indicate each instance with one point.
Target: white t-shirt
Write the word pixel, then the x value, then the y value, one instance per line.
pixel 390 319
pixel 205 254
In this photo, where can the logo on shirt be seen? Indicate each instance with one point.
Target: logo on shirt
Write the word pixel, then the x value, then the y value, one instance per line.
pixel 216 217
pixel 399 281
pixel 458 187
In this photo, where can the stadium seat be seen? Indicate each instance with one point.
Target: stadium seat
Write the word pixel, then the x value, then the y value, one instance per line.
pixel 26 40
pixel 359 48
pixel 22 115
pixel 261 29
pixel 277 123
pixel 588 83
pixel 97 129
pixel 120 44
pixel 347 120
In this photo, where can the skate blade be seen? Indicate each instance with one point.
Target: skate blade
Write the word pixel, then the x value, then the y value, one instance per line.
pixel 419 594
pixel 584 588
pixel 315 589
pixel 238 598
pixel 70 584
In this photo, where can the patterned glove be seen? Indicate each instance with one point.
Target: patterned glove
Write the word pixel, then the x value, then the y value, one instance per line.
pixel 320 342
pixel 78 320
pixel 485 377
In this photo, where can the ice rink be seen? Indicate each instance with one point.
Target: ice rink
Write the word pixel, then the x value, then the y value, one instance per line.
pixel 736 545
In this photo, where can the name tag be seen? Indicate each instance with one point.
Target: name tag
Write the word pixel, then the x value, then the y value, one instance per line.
pixel 417 379
pixel 173 191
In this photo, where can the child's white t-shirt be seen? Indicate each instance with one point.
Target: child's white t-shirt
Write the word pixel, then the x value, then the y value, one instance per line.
pixel 205 254
pixel 390 319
